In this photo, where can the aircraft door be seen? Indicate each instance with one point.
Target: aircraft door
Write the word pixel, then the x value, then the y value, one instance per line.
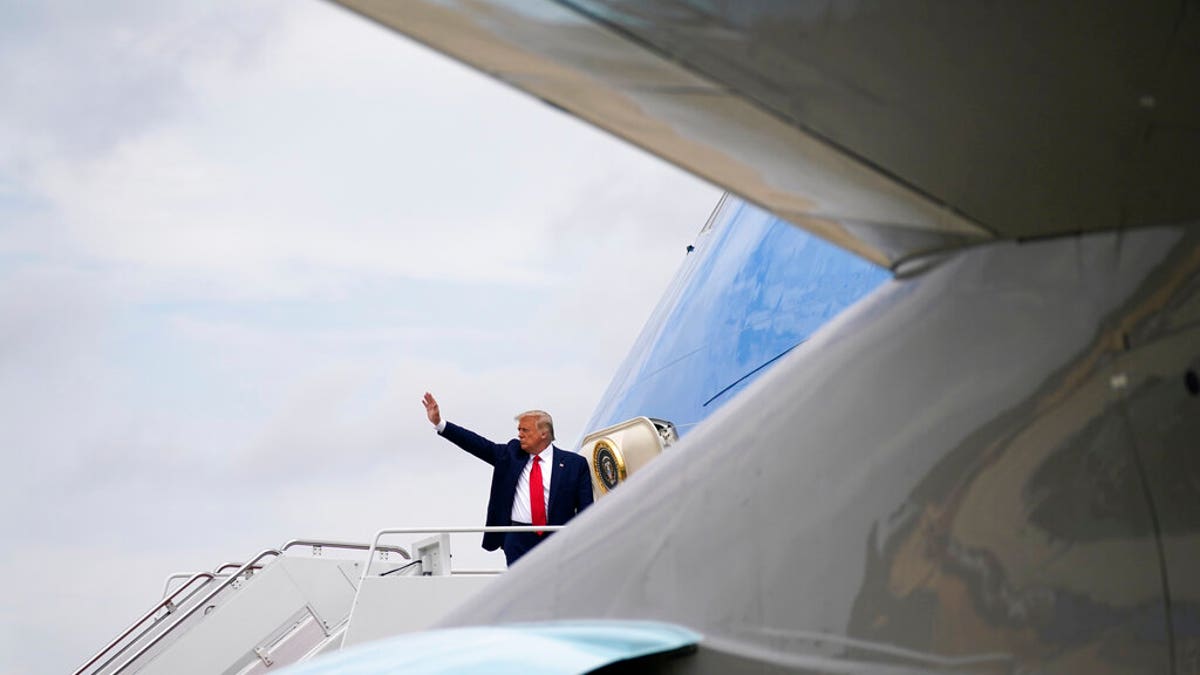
pixel 615 453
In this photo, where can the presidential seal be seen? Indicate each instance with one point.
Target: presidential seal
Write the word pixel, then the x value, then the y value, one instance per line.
pixel 608 464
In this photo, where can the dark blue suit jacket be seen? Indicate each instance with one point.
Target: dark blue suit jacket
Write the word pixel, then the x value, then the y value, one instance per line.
pixel 570 482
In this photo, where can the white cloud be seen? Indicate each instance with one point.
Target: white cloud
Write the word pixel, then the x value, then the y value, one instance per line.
pixel 335 150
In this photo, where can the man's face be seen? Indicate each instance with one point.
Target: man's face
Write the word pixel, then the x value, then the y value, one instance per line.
pixel 533 440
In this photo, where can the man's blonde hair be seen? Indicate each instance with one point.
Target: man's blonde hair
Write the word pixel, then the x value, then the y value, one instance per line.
pixel 544 421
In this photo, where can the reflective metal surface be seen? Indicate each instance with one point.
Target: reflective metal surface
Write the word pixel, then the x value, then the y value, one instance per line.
pixel 753 289
pixel 890 128
pixel 990 108
pixel 989 467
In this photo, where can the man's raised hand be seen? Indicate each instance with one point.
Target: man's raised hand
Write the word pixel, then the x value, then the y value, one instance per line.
pixel 431 409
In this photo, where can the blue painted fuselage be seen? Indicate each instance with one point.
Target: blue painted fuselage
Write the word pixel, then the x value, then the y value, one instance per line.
pixel 753 289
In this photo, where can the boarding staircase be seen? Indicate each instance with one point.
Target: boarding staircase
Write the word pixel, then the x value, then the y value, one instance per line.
pixel 289 604
pixel 279 607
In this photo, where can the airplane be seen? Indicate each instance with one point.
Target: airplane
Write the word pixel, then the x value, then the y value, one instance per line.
pixel 985 462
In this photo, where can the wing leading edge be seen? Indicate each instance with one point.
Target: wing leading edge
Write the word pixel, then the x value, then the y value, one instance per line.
pixel 890 129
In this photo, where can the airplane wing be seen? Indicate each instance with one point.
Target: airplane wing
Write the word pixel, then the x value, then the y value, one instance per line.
pixel 891 129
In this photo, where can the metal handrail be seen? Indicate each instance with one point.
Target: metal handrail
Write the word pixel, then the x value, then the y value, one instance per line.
pixel 178 575
pixel 165 602
pixel 219 572
pixel 447 530
pixel 437 530
pixel 233 565
pixel 350 546
pixel 158 638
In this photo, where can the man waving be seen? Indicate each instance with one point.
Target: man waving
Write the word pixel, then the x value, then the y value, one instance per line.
pixel 533 482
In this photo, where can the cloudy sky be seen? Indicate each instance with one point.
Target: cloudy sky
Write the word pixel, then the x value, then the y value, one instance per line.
pixel 237 242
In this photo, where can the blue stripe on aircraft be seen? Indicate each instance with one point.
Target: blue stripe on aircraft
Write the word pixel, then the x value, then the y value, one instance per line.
pixel 754 288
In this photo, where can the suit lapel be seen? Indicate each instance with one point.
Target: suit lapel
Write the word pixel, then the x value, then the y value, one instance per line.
pixel 556 478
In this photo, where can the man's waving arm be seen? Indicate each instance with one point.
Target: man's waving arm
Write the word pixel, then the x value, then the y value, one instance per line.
pixel 464 438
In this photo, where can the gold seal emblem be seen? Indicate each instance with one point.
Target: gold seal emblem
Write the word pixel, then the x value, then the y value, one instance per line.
pixel 608 464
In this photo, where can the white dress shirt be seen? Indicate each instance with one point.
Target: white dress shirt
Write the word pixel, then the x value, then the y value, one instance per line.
pixel 522 510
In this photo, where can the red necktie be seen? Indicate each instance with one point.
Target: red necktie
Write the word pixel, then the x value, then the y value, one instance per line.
pixel 536 489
